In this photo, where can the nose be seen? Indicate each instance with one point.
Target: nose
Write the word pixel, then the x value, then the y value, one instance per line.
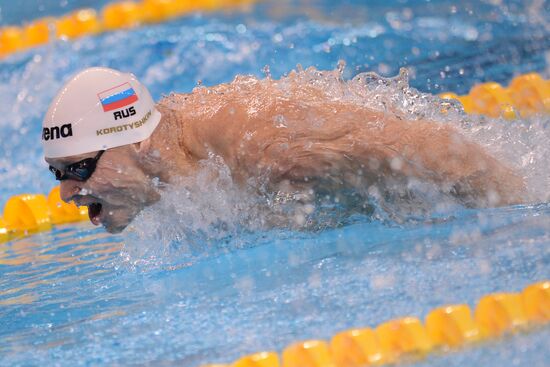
pixel 68 189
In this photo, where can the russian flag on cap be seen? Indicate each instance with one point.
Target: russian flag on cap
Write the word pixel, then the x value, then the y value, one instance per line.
pixel 117 97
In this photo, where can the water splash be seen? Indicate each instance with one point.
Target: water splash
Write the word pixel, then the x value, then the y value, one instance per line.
pixel 195 218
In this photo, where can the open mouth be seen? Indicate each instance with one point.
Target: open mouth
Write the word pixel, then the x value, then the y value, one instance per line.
pixel 94 212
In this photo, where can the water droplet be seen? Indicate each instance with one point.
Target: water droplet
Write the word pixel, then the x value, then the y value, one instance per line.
pixel 241 28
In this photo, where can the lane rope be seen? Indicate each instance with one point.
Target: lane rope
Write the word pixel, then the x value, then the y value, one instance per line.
pixel 113 16
pixel 407 339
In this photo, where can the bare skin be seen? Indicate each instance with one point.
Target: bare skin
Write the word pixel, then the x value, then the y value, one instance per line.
pixel 286 140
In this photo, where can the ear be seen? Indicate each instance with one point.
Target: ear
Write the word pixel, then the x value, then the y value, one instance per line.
pixel 143 146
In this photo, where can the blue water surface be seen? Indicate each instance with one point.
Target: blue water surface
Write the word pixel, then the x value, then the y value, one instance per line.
pixel 72 297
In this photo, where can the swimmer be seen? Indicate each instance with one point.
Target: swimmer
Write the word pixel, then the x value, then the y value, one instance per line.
pixel 113 148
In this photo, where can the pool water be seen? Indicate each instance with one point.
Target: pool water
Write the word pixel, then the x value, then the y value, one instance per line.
pixel 197 281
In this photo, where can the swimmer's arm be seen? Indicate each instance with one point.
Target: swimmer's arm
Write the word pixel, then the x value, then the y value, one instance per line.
pixel 424 149
pixel 352 141
pixel 440 153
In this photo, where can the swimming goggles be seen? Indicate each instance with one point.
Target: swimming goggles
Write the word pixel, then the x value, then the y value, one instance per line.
pixel 79 171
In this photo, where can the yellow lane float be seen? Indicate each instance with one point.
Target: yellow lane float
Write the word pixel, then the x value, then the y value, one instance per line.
pixel 262 359
pixel 124 14
pixel 310 353
pixel 37 33
pixel 526 95
pixel 357 347
pixel 531 93
pixel 30 213
pixel 499 313
pixel 536 300
pixel 492 99
pixel 27 213
pixel 80 23
pixel 11 39
pixel 452 326
pixel 405 337
pixel 61 212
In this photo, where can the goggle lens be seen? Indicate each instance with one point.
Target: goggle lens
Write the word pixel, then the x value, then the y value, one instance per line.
pixel 79 171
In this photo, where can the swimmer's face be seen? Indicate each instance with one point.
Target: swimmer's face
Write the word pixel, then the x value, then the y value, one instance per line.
pixel 115 193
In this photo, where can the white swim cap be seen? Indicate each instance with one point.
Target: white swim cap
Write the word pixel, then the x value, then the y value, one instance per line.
pixel 98 109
